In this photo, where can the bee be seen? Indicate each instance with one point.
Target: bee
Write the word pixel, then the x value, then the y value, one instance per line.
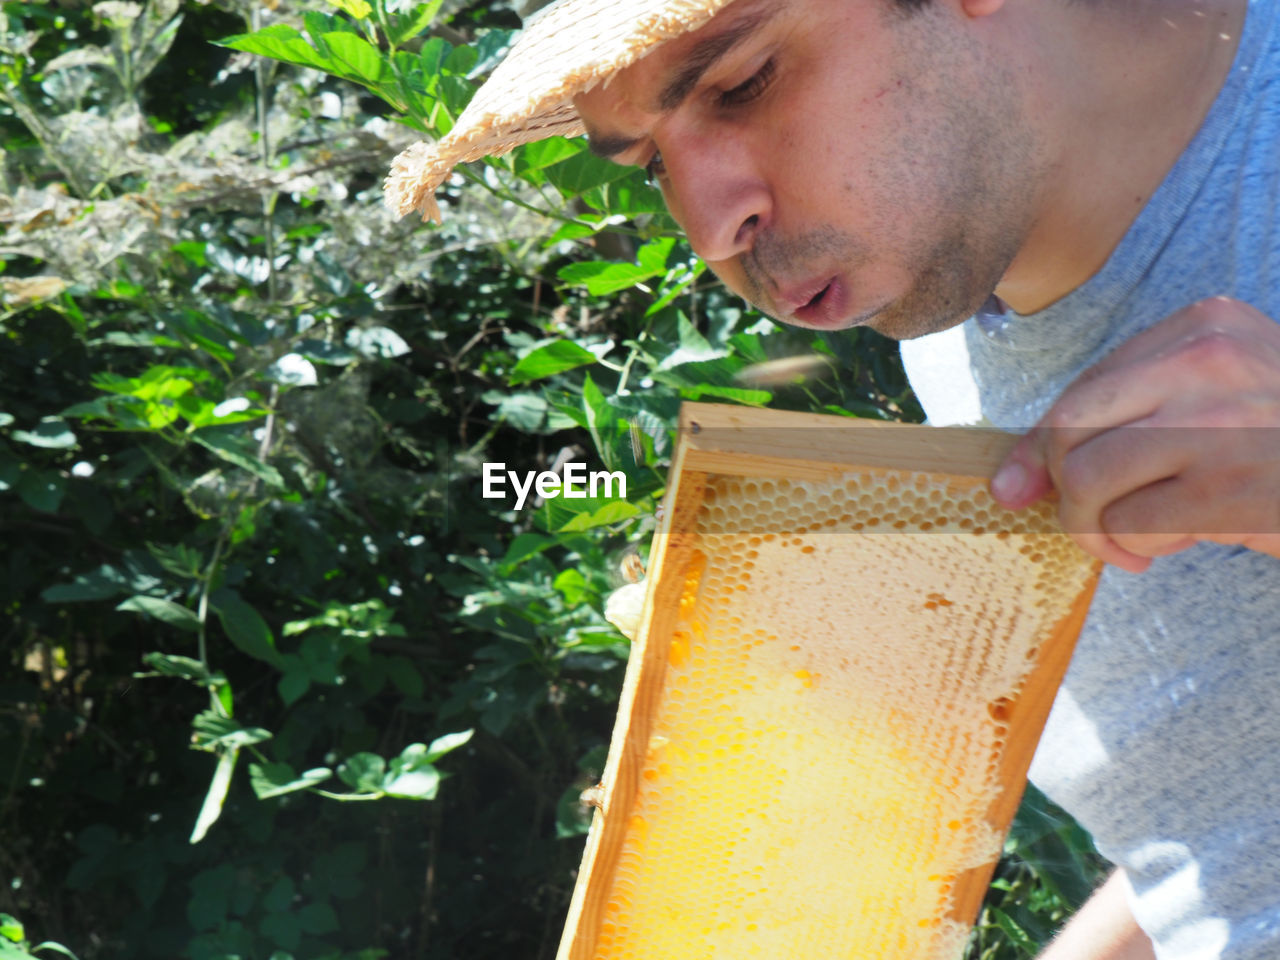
pixel 631 566
pixel 784 371
pixel 593 797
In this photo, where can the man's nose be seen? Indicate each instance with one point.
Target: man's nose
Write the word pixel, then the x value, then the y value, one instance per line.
pixel 716 193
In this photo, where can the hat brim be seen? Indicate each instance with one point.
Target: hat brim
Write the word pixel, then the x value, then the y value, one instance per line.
pixel 567 50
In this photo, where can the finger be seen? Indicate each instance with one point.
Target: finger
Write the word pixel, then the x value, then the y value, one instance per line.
pixel 1023 477
pixel 1222 501
pixel 1105 549
pixel 1107 468
pixel 1114 464
pixel 1152 521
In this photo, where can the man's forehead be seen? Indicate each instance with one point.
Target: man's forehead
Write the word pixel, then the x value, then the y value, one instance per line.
pixel 677 66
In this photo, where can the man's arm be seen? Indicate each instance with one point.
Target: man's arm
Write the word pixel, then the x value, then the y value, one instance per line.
pixel 1103 929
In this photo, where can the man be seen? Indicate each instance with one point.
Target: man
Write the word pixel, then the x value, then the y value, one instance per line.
pixel 1072 204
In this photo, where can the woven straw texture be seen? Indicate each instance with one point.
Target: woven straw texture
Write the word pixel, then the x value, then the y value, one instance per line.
pixel 569 49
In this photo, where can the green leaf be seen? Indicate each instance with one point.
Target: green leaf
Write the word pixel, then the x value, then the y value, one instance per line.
pixel 413 21
pixel 282 929
pixel 359 59
pixel 405 677
pixel 675 283
pixel 377 342
pixel 104 582
pixel 12 928
pixel 318 918
pixel 292 370
pixel 239 451
pixel 1025 944
pixel 357 8
pixel 490 48
pixel 524 411
pixel 276 779
pixel 293 685
pixel 751 398
pixel 411 775
pixel 693 348
pixel 279 899
pixel 363 771
pixel 611 513
pixel 628 196
pixel 42 490
pixel 434 55
pixel 179 559
pixel 601 278
pixel 243 625
pixel 56 948
pixel 581 172
pixel 281 42
pixel 550 359
pixel 322 351
pixel 216 796
pixel 522 547
pixel 543 153
pixel 174 614
pixel 450 741
pixel 572 818
pixel 172 665
pixel 52 433
pixel 573 587
pixel 600 418
pixel 215 732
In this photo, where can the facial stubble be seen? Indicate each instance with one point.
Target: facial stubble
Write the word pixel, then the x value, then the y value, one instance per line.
pixel 965 160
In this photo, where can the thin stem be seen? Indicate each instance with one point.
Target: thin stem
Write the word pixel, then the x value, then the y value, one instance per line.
pixel 264 140
pixel 349 796
pixel 202 610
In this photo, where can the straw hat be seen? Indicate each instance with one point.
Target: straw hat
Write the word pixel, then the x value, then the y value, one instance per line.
pixel 564 50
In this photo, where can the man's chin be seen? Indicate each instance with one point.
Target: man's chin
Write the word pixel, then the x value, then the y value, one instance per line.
pixel 906 321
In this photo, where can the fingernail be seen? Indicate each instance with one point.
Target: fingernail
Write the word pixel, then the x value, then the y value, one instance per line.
pixel 1008 482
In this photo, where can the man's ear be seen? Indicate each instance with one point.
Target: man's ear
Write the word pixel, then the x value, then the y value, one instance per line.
pixel 981 8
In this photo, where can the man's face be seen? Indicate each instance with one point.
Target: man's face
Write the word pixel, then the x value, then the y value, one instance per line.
pixel 836 162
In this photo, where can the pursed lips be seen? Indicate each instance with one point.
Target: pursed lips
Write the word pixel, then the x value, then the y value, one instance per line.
pixel 792 299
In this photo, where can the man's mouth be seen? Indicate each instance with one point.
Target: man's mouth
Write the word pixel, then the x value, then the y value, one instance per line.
pixel 803 297
pixel 823 306
pixel 817 297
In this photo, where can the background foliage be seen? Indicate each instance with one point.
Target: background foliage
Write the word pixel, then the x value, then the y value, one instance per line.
pixel 275 682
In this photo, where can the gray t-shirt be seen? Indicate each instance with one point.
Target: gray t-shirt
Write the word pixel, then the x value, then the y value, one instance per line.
pixel 1165 738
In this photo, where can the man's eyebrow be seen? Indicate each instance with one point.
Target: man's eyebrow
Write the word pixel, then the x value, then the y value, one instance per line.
pixel 702 58
pixel 707 53
pixel 609 147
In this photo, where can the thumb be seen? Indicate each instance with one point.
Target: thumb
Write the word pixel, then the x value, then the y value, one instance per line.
pixel 1023 477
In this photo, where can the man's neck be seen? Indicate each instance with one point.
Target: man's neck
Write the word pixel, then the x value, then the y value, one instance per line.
pixel 1119 89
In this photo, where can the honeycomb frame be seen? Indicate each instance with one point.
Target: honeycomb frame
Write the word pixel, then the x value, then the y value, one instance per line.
pixel 928 499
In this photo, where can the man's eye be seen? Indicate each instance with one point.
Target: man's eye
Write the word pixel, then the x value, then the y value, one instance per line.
pixel 751 88
pixel 655 168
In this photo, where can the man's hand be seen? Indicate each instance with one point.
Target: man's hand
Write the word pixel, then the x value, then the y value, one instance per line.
pixel 1172 439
